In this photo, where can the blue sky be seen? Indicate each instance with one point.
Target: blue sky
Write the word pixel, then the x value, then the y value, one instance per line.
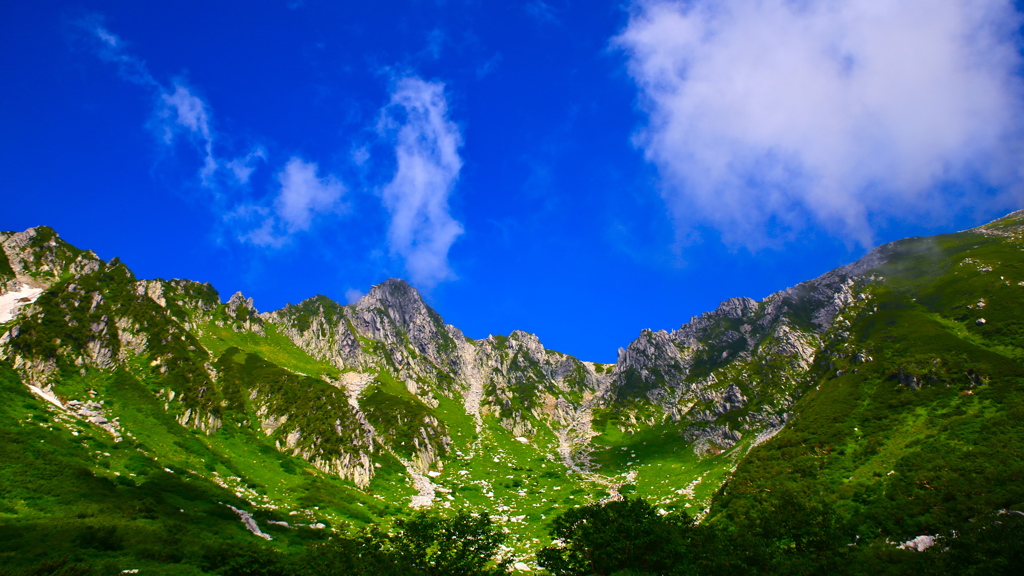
pixel 580 170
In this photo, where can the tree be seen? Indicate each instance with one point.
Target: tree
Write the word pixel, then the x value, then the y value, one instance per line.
pixel 619 537
pixel 426 544
pixel 460 545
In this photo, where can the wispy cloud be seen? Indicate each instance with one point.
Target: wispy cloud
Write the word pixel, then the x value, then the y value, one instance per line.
pixel 303 195
pixel 435 44
pixel 542 12
pixel 768 115
pixel 243 167
pixel 111 48
pixel 178 109
pixel 428 163
pixel 181 113
pixel 414 125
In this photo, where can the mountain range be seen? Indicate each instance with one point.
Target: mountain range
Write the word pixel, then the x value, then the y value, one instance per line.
pixel 152 410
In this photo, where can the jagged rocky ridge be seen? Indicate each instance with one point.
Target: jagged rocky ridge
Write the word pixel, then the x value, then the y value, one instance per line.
pixel 729 374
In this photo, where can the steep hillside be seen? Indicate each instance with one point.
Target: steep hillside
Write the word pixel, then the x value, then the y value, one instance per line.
pixel 886 388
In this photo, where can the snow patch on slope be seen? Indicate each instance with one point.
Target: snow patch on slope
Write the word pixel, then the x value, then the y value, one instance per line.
pixel 12 301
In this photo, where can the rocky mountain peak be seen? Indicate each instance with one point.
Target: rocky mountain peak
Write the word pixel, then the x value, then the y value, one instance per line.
pixel 391 290
pixel 238 299
pixel 401 300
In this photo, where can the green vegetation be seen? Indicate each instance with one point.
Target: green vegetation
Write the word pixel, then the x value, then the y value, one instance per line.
pixel 785 534
pixel 905 419
pixel 273 346
pixel 6 272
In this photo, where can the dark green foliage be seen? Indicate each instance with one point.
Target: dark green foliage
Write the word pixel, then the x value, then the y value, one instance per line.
pixel 634 385
pixel 66 515
pixel 320 412
pixel 460 545
pixel 784 534
pixel 426 545
pixel 400 418
pixel 6 272
pixel 301 315
pixel 614 537
pixel 991 545
pixel 355 556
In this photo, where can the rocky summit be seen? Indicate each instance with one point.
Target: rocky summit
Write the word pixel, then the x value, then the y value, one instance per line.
pixel 889 389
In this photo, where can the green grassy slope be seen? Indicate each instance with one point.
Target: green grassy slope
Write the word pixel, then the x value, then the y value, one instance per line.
pixel 917 424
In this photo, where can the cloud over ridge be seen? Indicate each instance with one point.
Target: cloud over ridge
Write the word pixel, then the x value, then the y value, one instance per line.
pixel 428 163
pixel 765 115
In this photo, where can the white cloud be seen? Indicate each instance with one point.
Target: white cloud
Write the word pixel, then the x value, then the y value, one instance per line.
pixel 428 164
pixel 426 146
pixel 771 114
pixel 111 49
pixel 303 195
pixel 360 155
pixel 181 110
pixel 106 37
pixel 352 295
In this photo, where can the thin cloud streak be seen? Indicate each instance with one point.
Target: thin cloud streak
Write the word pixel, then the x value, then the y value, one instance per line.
pixel 428 163
pixel 179 112
pixel 768 116
pixel 178 109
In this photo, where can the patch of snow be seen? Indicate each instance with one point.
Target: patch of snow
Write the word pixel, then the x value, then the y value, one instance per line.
pixel 11 301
